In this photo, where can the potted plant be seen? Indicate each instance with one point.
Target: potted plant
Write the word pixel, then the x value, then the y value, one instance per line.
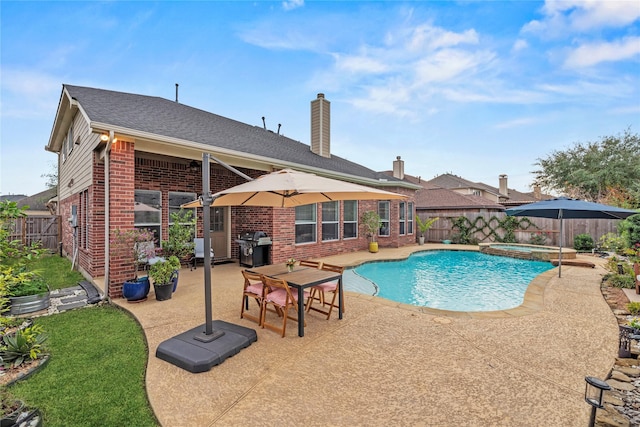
pixel 181 234
pixel 25 290
pixel 371 222
pixel 291 262
pixel 165 275
pixel 130 245
pixel 423 227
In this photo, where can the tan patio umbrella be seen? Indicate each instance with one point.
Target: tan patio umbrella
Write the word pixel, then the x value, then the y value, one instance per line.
pixel 202 347
pixel 288 188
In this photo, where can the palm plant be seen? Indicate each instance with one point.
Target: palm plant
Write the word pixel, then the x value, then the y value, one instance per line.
pixel 424 226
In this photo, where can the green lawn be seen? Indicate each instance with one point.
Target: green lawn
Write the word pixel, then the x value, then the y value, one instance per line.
pixel 98 355
pixel 56 271
pixel 95 375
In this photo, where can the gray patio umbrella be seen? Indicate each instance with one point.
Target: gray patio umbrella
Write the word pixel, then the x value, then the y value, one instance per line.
pixel 564 208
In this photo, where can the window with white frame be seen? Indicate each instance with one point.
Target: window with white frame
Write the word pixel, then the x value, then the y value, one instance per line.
pixel 330 221
pixel 410 218
pixel 177 199
pixel 385 214
pixel 70 141
pixel 350 219
pixel 402 224
pixel 306 223
pixel 147 211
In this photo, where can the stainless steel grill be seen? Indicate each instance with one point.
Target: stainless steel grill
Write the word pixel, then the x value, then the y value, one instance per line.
pixel 253 248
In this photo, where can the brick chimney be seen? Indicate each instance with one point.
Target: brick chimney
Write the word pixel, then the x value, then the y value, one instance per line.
pixel 537 193
pixel 503 185
pixel 398 168
pixel 321 126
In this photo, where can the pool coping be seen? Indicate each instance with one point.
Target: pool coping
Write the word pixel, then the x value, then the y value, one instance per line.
pixel 533 301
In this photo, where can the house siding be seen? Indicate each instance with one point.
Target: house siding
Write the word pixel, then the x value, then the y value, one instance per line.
pixel 76 167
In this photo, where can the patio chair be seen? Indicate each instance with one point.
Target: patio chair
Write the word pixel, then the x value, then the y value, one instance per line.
pixel 147 254
pixel 310 263
pixel 198 252
pixel 318 292
pixel 279 295
pixel 253 288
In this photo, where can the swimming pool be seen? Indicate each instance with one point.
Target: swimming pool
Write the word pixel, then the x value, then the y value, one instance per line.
pixel 448 280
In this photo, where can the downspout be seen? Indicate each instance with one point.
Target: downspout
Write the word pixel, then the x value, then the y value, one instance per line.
pixel 106 214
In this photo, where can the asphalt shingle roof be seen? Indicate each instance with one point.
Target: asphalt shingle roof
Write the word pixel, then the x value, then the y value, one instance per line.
pixel 170 119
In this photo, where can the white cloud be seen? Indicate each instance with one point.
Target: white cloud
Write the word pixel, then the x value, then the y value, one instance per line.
pixel 292 4
pixel 428 37
pixel 27 93
pixel 595 53
pixel 385 99
pixel 359 64
pixel 562 17
pixel 448 64
pixel 519 45
pixel 524 121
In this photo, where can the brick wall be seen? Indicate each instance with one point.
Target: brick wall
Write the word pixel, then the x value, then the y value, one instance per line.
pixel 121 197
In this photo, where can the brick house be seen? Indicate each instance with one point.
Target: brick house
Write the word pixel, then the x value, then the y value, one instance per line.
pixel 128 160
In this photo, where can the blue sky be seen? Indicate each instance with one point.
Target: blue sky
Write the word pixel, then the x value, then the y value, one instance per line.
pixel 472 88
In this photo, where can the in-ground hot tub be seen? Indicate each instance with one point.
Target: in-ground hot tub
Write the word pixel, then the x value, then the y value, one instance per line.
pixel 523 251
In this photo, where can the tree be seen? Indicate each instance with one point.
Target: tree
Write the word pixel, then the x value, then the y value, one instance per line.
pixel 605 171
pixel 51 176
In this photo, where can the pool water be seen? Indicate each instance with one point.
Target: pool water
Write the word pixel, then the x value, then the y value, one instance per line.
pixel 448 280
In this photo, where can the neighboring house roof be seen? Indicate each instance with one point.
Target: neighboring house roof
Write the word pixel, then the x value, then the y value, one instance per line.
pixel 155 118
pixel 12 197
pixel 442 198
pixel 38 202
pixel 454 182
pixel 432 196
pixel 518 198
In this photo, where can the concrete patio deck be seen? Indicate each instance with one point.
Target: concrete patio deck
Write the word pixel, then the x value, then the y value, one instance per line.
pixel 386 363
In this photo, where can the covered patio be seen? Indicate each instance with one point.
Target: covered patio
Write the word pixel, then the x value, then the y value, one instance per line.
pixel 388 363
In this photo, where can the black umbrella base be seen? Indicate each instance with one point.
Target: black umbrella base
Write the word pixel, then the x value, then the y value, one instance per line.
pixel 195 352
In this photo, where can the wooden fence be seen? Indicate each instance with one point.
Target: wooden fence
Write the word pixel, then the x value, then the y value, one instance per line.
pixel 46 229
pixel 442 228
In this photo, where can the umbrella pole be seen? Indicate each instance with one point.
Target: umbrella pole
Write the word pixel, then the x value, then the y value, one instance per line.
pixel 561 242
pixel 209 334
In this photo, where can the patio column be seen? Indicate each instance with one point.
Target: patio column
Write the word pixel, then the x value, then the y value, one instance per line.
pixel 121 198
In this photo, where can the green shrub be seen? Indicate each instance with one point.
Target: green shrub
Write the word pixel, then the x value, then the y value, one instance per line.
pixel 611 242
pixel 612 265
pixel 635 323
pixel 621 281
pixel 583 242
pixel 630 230
pixel 24 344
pixel 634 308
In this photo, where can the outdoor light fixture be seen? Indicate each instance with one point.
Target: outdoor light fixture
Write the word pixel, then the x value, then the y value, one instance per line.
pixel 593 392
pixel 194 166
pixel 104 138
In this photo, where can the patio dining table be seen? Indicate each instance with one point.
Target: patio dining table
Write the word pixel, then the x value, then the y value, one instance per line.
pixel 302 278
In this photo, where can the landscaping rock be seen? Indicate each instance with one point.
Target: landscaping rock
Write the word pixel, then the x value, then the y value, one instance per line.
pixel 619 376
pixel 629 370
pixel 619 385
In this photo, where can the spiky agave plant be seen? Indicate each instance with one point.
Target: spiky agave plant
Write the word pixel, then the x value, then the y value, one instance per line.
pixel 24 344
